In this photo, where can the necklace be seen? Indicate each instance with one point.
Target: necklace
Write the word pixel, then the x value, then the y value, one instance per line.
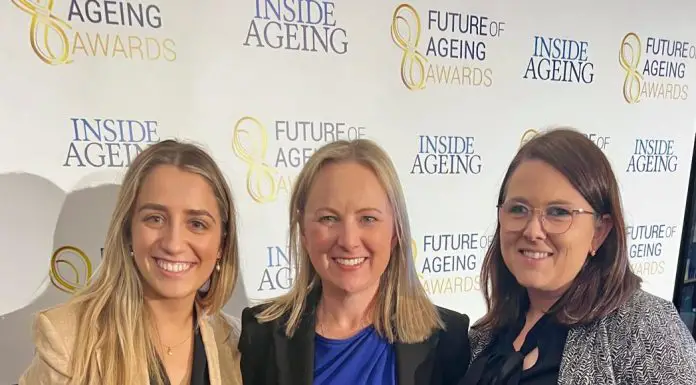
pixel 170 347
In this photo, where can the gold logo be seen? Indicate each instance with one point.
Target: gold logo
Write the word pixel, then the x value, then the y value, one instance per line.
pixel 68 258
pixel 44 25
pixel 414 252
pixel 405 32
pixel 528 135
pixel 629 58
pixel 250 143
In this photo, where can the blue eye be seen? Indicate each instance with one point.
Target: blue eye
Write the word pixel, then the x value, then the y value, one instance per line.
pixel 369 219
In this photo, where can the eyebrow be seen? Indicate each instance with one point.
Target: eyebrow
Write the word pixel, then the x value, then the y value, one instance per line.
pixel 159 207
pixel 553 202
pixel 324 208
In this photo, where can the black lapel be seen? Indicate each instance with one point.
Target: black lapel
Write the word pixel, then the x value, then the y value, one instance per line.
pixel 295 356
pixel 415 362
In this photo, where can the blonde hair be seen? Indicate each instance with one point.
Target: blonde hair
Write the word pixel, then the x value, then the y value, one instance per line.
pixel 403 312
pixel 115 318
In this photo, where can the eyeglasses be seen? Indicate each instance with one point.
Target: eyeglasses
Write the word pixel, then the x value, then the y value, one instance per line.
pixel 514 216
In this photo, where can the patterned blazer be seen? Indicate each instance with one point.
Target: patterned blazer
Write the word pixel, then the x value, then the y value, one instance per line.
pixel 644 342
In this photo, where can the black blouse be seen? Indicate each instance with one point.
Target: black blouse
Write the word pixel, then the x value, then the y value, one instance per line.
pixel 500 364
pixel 199 367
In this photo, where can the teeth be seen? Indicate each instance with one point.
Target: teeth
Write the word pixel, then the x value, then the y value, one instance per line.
pixel 173 267
pixel 350 261
pixel 535 254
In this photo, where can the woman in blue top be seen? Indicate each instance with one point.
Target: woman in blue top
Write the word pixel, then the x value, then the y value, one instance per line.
pixel 357 313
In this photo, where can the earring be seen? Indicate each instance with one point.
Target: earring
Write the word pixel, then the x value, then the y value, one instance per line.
pixel 592 253
pixel 217 266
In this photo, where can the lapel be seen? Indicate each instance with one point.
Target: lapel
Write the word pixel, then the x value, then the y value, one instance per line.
pixel 295 356
pixel 211 350
pixel 587 356
pixel 414 362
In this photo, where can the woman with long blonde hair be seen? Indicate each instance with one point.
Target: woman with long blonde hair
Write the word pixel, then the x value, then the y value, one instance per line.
pixel 356 313
pixel 152 313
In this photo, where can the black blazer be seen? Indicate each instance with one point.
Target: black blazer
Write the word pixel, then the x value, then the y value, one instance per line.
pixel 268 357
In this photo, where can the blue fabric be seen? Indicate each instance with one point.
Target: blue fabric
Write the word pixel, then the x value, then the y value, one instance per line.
pixel 365 358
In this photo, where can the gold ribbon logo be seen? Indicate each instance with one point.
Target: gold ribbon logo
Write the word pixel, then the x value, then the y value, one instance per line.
pixel 44 25
pixel 629 58
pixel 70 258
pixel 405 32
pixel 414 252
pixel 250 143
pixel 528 135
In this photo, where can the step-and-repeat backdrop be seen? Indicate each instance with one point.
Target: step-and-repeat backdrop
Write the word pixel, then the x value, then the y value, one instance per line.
pixel 450 88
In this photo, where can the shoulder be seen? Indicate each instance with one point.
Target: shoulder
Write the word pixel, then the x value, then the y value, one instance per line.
pixel 454 322
pixel 643 332
pixel 250 317
pixel 54 334
pixel 642 311
pixel 225 326
pixel 647 325
pixel 454 349
pixel 454 336
pixel 58 323
pixel 253 331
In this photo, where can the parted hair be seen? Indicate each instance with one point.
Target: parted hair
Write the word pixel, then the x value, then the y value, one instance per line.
pixel 403 312
pixel 606 281
pixel 115 318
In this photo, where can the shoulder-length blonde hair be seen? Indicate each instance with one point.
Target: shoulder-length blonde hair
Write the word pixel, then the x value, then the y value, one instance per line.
pixel 403 311
pixel 114 318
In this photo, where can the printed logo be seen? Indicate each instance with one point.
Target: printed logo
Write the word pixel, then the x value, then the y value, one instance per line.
pixel 560 60
pixel 450 263
pixel 298 25
pixel 439 154
pixel 278 274
pixel 645 250
pixel 528 135
pixel 601 141
pixel 455 49
pixel 71 269
pixel 660 74
pixel 106 142
pixel 57 34
pixel 273 164
pixel 652 155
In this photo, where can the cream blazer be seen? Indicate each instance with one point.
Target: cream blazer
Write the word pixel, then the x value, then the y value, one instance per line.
pixel 55 330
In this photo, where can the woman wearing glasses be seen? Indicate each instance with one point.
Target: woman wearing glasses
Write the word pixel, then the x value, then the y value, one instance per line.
pixel 564 306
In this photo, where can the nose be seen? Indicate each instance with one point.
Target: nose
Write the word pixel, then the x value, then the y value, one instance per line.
pixel 172 240
pixel 535 229
pixel 349 235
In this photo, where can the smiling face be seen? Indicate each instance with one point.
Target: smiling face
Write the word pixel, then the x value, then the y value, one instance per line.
pixel 541 258
pixel 175 232
pixel 348 228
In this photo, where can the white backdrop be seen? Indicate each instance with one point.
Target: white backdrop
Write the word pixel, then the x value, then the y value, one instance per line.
pixel 261 86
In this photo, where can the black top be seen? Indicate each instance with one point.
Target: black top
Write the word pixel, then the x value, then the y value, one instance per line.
pixel 270 357
pixel 199 367
pixel 500 364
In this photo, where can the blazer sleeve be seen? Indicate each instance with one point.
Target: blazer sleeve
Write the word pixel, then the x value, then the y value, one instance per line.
pixel 253 341
pixel 662 349
pixel 455 346
pixel 50 365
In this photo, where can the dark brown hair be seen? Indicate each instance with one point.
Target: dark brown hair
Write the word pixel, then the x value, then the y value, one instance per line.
pixel 606 281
